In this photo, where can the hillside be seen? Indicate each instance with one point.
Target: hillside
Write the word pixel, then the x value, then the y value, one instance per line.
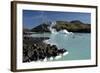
pixel 41 28
pixel 73 26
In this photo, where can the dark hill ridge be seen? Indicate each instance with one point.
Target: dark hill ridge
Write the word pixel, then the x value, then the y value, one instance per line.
pixel 73 26
pixel 77 22
pixel 41 28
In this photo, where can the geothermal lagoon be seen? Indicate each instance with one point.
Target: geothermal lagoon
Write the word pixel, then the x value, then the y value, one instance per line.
pixel 76 45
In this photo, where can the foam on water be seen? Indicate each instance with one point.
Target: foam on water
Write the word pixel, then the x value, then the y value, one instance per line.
pixel 58 57
pixel 51 58
pixel 45 60
pixel 64 32
pixel 65 53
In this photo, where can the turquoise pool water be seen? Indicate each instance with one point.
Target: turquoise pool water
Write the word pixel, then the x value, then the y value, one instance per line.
pixel 77 44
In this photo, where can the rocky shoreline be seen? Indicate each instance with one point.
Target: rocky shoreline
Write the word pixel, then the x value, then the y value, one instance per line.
pixel 34 49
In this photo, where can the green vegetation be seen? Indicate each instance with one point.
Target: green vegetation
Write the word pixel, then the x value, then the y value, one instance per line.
pixel 73 26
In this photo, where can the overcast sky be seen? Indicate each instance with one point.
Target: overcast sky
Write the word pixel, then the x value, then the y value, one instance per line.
pixel 32 18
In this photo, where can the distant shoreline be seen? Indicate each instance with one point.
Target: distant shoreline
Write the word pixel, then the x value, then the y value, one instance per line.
pixel 73 26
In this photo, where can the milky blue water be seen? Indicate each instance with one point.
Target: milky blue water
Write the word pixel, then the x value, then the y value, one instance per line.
pixel 77 44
